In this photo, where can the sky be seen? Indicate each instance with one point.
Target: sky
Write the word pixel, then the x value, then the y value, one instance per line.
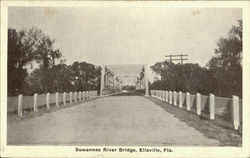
pixel 129 35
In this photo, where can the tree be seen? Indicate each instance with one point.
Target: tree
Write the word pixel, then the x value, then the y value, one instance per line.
pixel 86 76
pixel 19 55
pixel 43 52
pixel 221 76
pixel 180 77
pixel 24 47
pixel 226 67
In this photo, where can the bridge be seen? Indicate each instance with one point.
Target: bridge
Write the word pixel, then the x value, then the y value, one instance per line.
pixel 116 117
pixel 114 76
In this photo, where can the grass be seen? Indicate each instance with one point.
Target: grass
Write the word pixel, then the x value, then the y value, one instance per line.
pixel 29 113
pixel 226 136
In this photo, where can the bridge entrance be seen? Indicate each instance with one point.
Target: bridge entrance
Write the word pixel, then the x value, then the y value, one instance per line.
pixel 117 78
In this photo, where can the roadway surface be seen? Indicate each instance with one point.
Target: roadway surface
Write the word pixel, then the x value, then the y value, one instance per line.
pixel 114 120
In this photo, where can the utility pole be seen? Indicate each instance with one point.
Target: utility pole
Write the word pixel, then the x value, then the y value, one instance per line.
pixel 179 57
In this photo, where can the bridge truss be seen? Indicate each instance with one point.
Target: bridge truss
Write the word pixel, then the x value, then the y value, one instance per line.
pixel 114 77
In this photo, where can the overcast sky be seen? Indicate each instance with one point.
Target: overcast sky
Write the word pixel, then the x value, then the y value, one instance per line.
pixel 125 35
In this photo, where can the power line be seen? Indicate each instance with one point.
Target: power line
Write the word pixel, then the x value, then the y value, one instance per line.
pixel 179 57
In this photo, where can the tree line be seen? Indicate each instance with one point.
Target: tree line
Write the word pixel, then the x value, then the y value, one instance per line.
pixel 221 76
pixel 33 47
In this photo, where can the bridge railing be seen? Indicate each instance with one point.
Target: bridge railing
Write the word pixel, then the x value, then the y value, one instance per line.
pixel 226 109
pixel 20 103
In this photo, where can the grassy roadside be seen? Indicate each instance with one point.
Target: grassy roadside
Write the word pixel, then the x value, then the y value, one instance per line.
pixel 227 137
pixel 29 114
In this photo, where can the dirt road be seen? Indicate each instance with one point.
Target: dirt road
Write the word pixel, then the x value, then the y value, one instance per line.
pixel 115 120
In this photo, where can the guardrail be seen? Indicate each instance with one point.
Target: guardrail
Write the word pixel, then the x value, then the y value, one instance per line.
pixel 228 109
pixel 21 102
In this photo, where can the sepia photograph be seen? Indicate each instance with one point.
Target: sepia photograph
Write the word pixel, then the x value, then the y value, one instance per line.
pixel 133 79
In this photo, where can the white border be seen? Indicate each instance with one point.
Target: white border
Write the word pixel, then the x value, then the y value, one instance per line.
pixel 69 151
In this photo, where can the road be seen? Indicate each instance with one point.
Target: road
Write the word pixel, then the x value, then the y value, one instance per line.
pixel 114 120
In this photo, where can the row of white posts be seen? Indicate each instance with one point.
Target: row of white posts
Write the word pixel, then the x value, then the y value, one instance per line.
pixel 171 98
pixel 81 96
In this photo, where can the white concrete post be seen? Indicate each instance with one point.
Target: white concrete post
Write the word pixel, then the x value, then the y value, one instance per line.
pixel 180 99
pixel 47 101
pixel 159 94
pixel 57 104
pixel 170 97
pixel 198 103
pixel 146 79
pixel 162 95
pixel 64 98
pixel 175 98
pixel 70 97
pixel 211 106
pixel 80 96
pixel 166 96
pixel 35 103
pixel 20 105
pixel 87 94
pixel 188 101
pixel 236 112
pixel 75 97
pixel 102 80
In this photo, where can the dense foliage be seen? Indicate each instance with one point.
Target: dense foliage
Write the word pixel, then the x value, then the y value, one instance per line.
pixel 222 75
pixel 33 46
